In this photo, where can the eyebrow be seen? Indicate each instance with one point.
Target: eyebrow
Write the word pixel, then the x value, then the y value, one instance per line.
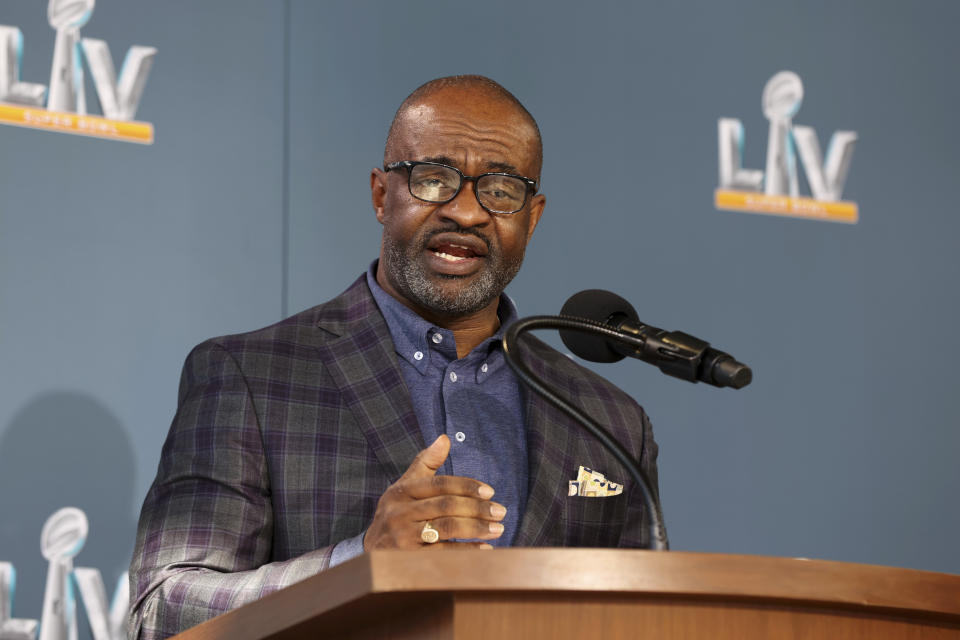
pixel 503 167
pixel 500 167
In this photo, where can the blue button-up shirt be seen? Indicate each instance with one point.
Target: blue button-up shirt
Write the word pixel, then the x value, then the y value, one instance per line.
pixel 475 400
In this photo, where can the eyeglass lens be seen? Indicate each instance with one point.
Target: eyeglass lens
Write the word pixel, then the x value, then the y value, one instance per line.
pixel 501 194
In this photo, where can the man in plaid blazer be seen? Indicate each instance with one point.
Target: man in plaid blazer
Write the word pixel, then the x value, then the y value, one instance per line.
pixel 295 442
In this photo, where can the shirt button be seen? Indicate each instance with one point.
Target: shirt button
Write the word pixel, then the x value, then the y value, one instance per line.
pixel 461 436
pixel 437 338
pixel 484 367
pixel 418 355
pixel 453 377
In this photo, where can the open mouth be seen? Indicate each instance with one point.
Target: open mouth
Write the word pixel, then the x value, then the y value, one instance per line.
pixel 456 255
pixel 457 248
pixel 454 252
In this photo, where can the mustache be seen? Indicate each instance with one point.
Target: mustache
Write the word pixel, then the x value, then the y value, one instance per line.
pixel 453 227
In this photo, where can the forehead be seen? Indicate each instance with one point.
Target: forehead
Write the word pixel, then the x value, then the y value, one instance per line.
pixel 476 131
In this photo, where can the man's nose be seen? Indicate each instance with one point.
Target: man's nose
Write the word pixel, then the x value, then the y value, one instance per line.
pixel 465 209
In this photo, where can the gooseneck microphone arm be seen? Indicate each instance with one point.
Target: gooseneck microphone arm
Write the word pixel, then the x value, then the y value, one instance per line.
pixel 657 533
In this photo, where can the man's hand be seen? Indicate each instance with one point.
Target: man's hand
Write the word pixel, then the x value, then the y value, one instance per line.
pixel 456 507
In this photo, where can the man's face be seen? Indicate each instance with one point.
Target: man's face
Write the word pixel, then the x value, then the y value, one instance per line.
pixel 454 259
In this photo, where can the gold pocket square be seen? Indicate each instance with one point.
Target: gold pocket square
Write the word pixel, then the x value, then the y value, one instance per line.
pixel 593 484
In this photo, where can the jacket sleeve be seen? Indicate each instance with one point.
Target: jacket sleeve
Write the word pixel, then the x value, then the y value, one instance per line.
pixel 204 538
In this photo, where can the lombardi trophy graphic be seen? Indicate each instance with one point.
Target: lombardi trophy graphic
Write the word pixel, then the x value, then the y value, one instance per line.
pixel 781 100
pixel 63 536
pixel 66 74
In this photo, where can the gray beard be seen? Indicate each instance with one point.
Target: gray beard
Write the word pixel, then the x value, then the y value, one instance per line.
pixel 407 275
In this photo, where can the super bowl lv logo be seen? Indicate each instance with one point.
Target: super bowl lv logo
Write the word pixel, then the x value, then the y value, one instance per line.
pixel 776 190
pixel 63 536
pixel 62 106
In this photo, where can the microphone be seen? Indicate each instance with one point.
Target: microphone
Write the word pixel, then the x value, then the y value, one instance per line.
pixel 675 353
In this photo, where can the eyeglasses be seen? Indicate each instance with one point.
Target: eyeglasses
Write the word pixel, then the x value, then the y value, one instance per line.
pixel 439 183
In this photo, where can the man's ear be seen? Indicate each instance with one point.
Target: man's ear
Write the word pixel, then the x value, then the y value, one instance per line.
pixel 537 203
pixel 378 191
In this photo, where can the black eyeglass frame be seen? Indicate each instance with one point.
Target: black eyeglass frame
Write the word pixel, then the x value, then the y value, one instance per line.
pixel 410 164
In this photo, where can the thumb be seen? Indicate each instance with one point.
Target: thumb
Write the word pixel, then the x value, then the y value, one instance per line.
pixel 430 459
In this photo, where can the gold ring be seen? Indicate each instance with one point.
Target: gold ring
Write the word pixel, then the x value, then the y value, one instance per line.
pixel 428 534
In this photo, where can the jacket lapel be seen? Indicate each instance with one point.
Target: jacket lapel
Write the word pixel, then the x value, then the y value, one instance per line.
pixel 552 446
pixel 556 447
pixel 362 363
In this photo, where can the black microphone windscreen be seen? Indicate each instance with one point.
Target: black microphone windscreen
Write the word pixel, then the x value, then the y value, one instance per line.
pixel 600 306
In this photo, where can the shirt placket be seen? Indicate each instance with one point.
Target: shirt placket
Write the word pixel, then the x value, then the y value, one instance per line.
pixel 446 358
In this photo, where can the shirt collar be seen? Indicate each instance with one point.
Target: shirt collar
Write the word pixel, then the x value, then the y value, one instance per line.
pixel 412 335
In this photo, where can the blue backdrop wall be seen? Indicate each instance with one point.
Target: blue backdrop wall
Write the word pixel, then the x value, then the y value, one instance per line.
pixel 253 202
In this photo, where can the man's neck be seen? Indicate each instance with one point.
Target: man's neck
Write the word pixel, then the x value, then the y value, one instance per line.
pixel 468 330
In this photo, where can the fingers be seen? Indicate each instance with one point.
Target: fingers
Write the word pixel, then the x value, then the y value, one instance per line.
pixel 450 505
pixel 452 527
pixel 420 479
pixel 430 459
pixel 420 488
pixel 450 546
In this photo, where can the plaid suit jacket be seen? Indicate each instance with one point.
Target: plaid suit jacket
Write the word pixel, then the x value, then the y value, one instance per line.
pixel 285 438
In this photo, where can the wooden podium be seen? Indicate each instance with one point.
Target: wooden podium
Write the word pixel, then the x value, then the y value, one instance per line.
pixel 599 594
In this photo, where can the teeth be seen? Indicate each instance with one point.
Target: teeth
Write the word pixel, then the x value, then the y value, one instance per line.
pixel 447 256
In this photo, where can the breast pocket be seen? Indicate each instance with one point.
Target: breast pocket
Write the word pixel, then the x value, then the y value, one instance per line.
pixel 595 522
